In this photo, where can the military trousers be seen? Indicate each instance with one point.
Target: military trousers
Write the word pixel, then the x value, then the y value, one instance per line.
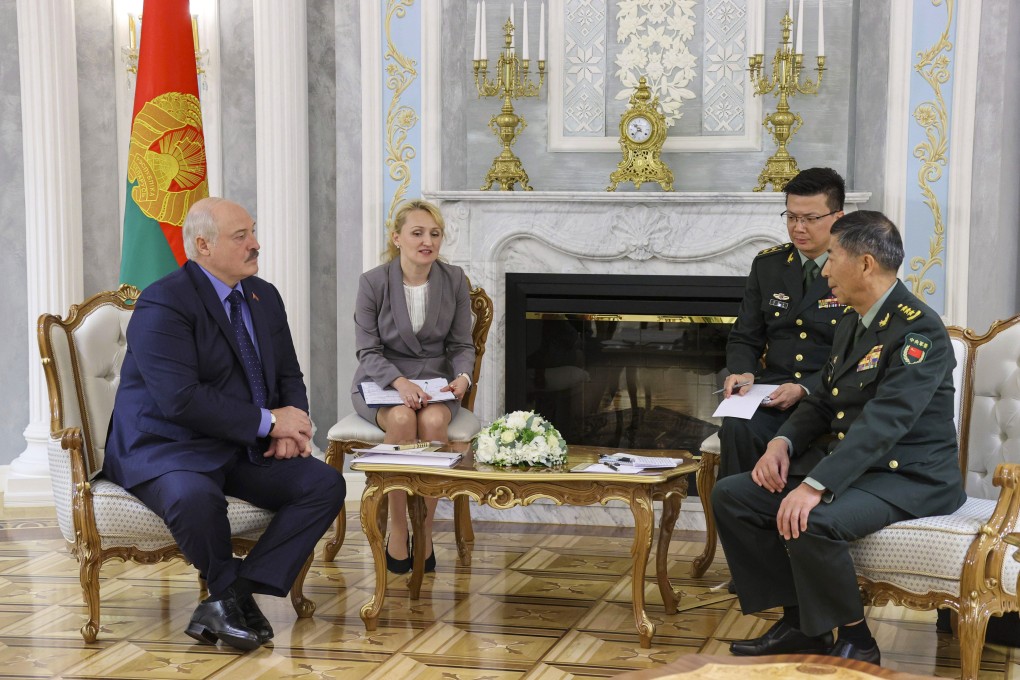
pixel 813 572
pixel 743 441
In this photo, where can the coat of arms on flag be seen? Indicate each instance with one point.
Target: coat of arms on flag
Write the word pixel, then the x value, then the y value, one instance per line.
pixel 166 157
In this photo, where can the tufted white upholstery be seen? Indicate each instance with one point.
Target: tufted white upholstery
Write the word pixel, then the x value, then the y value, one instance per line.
pixel 962 561
pixel 82 356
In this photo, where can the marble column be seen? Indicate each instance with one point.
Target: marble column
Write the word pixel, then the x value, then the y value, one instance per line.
pixel 49 112
pixel 281 150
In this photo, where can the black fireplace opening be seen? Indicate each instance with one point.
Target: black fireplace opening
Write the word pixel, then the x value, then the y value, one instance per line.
pixel 622 361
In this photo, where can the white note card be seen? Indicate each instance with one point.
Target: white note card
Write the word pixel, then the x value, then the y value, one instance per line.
pixel 744 405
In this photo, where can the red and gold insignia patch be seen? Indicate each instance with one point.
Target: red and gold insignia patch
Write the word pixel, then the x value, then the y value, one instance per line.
pixel 915 349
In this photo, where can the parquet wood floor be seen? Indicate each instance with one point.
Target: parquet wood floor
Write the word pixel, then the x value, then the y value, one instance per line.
pixel 537 603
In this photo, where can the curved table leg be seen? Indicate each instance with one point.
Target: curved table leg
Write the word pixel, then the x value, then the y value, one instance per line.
pixel 644 520
pixel 463 531
pixel 371 499
pixel 416 509
pixel 670 511
pixel 329 551
pixel 706 482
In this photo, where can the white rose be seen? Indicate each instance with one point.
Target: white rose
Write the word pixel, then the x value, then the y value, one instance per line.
pixel 517 419
pixel 508 436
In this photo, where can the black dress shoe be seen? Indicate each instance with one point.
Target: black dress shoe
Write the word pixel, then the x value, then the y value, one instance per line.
pixel 395 566
pixel 782 638
pixel 848 650
pixel 255 619
pixel 222 620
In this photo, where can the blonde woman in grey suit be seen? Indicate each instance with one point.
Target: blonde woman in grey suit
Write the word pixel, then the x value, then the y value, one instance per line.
pixel 412 321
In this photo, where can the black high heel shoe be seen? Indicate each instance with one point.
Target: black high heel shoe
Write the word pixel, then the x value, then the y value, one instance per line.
pixel 395 566
pixel 430 561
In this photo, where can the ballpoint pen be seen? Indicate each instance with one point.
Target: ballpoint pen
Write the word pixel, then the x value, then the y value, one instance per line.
pixel 737 386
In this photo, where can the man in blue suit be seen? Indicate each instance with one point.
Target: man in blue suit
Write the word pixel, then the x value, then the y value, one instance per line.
pixel 212 403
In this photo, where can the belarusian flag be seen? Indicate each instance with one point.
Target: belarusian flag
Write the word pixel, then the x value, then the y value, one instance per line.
pixel 166 159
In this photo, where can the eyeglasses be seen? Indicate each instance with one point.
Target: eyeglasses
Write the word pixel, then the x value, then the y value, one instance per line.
pixel 807 220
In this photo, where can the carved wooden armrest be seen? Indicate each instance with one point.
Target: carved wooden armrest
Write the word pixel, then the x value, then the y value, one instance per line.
pixel 1004 519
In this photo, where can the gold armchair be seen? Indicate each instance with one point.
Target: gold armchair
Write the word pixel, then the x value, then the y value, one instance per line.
pixel 353 431
pixel 82 355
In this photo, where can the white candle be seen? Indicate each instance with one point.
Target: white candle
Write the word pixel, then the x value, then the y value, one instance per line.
pixel 821 28
pixel 800 29
pixel 478 31
pixel 789 10
pixel 524 32
pixel 512 41
pixel 541 33
pixel 484 39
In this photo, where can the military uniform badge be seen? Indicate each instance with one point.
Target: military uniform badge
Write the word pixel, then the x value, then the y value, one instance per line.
pixel 828 303
pixel 870 359
pixel 915 349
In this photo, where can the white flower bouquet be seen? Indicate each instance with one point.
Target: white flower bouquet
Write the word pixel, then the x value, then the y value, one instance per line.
pixel 520 438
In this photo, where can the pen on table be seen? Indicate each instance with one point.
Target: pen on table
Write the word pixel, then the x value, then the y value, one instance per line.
pixel 735 387
pixel 612 466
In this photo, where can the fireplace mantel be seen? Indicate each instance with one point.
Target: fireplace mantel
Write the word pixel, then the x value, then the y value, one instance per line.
pixel 490 233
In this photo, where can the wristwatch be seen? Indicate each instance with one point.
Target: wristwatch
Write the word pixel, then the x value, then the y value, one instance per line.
pixel 272 421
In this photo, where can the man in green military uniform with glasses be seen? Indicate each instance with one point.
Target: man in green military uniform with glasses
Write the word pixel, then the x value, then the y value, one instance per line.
pixel 787 317
pixel 874 445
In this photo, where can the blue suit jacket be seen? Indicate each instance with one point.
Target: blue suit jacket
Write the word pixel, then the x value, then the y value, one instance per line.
pixel 184 401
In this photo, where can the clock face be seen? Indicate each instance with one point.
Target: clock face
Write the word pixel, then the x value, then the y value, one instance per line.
pixel 639 129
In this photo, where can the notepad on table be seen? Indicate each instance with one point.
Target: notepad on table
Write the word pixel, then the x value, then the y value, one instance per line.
pixel 379 396
pixel 641 462
pixel 612 469
pixel 418 457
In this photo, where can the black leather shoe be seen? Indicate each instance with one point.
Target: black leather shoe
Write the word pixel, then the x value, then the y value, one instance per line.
pixel 222 620
pixel 782 638
pixel 395 566
pixel 848 650
pixel 255 619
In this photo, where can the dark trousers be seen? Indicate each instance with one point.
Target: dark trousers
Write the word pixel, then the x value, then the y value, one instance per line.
pixel 815 571
pixel 305 494
pixel 742 442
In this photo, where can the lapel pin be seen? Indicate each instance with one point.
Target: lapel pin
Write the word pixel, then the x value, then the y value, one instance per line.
pixel 255 297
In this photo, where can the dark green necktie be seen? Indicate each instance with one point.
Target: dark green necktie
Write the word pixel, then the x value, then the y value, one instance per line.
pixel 859 331
pixel 810 273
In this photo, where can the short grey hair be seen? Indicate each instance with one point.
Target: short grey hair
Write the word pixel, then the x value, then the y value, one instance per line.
pixel 200 222
pixel 871 232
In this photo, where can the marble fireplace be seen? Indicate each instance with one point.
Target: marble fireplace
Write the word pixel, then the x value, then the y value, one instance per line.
pixel 635 234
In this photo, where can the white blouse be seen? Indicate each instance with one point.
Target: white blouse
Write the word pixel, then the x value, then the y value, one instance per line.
pixel 417 303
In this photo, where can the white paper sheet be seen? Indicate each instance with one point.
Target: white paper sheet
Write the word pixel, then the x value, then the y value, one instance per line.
pixel 378 396
pixel 434 459
pixel 744 406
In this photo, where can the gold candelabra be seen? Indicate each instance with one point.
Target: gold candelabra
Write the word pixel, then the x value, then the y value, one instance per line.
pixel 511 82
pixel 781 167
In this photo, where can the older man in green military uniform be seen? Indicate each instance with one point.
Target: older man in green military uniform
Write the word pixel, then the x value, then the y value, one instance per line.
pixel 788 317
pixel 874 445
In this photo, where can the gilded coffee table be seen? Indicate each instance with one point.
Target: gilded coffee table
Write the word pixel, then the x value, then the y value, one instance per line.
pixel 503 488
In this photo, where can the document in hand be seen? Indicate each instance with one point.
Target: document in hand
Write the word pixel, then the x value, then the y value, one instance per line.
pixel 744 405
pixel 641 462
pixel 378 396
pixel 421 457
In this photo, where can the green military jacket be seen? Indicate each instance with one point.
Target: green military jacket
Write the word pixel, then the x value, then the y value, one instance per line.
pixel 883 418
pixel 791 328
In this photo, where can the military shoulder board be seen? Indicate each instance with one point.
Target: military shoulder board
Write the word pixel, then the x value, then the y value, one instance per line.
pixel 908 312
pixel 775 249
pixel 849 308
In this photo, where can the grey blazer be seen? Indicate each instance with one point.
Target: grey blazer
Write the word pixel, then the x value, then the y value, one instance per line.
pixel 387 348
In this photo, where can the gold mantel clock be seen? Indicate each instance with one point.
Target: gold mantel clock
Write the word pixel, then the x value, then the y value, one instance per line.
pixel 642 133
